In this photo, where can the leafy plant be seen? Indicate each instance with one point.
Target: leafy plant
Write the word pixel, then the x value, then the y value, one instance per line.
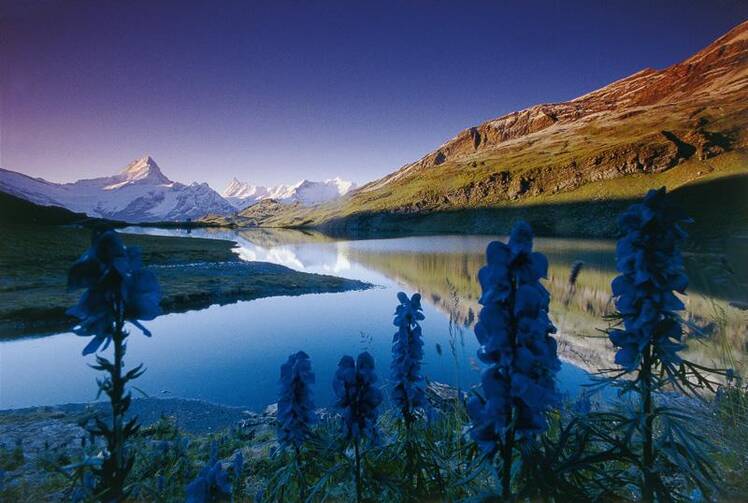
pixel 358 400
pixel 296 408
pixel 408 390
pixel 656 439
pixel 514 333
pixel 117 290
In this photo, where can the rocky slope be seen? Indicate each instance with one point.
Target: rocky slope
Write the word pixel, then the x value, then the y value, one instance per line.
pixel 657 127
pixel 139 193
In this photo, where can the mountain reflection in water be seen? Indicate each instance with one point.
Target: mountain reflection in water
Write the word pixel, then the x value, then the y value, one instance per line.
pixel 231 354
pixel 442 267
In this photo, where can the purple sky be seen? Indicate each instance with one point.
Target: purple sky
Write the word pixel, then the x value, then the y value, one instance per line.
pixel 272 92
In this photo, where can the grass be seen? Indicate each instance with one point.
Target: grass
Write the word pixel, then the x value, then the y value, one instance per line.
pixel 731 412
pixel 194 273
pixel 589 211
pixel 164 450
pixel 167 458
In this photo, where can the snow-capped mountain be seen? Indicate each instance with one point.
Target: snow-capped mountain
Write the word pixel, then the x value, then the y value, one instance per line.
pixel 139 193
pixel 239 192
pixel 305 192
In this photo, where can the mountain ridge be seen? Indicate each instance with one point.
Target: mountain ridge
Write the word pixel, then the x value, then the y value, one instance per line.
pixel 138 193
pixel 306 192
pixel 141 192
pixel 664 127
pixel 670 82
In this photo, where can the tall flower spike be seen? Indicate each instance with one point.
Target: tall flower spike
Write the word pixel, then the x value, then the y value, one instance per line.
pixel 407 353
pixel 211 484
pixel 514 330
pixel 295 404
pixel 357 396
pixel 649 259
pixel 114 281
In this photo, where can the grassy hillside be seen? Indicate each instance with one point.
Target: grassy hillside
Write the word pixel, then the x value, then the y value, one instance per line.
pixel 569 166
pixel 16 211
pixel 713 191
pixel 39 243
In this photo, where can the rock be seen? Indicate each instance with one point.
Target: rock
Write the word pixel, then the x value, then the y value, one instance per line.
pixel 271 410
pixel 442 396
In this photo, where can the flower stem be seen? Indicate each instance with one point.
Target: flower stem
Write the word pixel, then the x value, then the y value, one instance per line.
pixel 114 469
pixel 410 468
pixel 359 497
pixel 506 475
pixel 302 482
pixel 647 405
pixel 118 389
pixel 506 468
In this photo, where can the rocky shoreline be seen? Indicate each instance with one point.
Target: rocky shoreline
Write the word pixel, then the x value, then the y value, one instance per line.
pixel 240 281
pixel 39 436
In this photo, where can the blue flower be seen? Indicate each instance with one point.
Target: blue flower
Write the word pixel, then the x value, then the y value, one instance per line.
pixel 583 404
pixel 85 490
pixel 295 404
pixel 357 397
pixel 409 311
pixel 730 375
pixel 407 353
pixel 513 331
pixel 212 483
pixel 649 259
pixel 117 288
pixel 238 464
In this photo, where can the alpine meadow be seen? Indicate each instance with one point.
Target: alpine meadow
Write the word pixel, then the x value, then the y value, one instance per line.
pixel 373 251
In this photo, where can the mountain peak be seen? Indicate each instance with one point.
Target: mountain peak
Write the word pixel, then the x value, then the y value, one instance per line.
pixel 139 193
pixel 143 163
pixel 143 169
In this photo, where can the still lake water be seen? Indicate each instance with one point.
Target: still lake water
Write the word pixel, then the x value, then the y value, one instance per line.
pixel 231 354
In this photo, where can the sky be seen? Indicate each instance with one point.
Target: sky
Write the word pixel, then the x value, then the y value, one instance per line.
pixel 273 92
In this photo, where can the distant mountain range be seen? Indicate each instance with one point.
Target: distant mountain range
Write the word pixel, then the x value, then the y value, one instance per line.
pixel 305 192
pixel 142 193
pixel 564 166
pixel 139 193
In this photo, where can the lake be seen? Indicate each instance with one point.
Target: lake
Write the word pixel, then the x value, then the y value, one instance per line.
pixel 231 354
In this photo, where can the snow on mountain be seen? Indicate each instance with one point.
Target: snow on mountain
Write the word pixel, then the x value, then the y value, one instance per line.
pixel 139 193
pixel 238 193
pixel 305 192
